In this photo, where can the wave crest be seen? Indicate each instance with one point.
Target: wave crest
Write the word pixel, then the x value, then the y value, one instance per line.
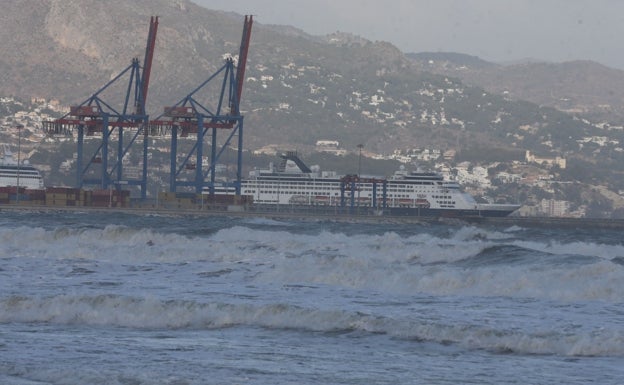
pixel 152 313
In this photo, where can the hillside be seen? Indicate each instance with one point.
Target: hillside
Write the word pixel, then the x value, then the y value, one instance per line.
pixel 299 88
pixel 579 87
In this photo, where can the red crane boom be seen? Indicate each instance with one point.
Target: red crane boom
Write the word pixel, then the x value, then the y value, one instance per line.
pixel 147 63
pixel 242 62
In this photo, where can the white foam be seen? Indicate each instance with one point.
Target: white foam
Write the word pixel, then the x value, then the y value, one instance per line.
pixel 266 222
pixel 589 249
pixel 388 262
pixel 152 313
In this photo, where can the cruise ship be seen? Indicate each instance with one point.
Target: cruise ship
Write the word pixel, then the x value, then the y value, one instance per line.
pixel 29 177
pixel 293 183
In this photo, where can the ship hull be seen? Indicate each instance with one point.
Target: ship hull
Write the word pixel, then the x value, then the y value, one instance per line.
pixel 389 211
pixel 447 213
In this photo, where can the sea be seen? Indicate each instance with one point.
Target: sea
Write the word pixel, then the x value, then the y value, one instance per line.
pixel 118 298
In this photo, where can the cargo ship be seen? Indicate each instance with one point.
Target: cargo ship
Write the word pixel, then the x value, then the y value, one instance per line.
pixel 292 183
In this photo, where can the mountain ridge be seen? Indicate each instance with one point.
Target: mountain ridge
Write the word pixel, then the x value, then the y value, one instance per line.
pixel 299 89
pixel 582 87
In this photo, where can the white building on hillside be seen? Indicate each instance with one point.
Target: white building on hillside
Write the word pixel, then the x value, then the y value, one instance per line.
pixel 561 162
pixel 330 146
pixel 555 208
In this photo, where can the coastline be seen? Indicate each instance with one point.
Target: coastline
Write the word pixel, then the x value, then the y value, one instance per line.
pixel 354 218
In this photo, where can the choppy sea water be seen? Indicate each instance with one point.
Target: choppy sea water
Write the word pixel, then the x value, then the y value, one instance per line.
pixel 90 298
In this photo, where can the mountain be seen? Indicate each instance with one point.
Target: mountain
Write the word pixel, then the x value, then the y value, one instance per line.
pixel 453 59
pixel 301 88
pixel 578 87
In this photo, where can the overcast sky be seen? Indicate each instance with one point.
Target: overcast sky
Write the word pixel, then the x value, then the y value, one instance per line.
pixel 494 30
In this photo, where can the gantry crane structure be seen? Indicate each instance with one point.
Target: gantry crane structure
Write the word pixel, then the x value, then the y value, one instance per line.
pixel 190 116
pixel 96 115
pixel 352 183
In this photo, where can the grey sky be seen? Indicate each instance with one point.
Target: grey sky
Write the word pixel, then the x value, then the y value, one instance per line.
pixel 495 30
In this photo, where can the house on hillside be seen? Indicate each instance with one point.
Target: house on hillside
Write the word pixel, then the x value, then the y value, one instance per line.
pixel 330 146
pixel 558 161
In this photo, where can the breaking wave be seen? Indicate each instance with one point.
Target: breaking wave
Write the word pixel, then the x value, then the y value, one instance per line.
pixel 463 261
pixel 151 313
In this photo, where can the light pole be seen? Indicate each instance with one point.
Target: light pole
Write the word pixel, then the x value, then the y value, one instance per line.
pixel 360 146
pixel 19 145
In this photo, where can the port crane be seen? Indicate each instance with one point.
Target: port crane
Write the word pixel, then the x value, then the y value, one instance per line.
pixel 192 116
pixel 102 115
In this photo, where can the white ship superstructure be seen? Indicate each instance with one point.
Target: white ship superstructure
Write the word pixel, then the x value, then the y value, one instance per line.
pixel 29 177
pixel 405 193
pixel 289 184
